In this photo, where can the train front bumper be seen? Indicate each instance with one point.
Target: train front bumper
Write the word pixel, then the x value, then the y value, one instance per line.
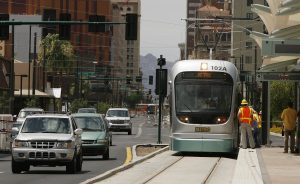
pixel 202 145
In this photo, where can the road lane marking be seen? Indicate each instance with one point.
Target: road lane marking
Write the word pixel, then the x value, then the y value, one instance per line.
pixel 139 131
pixel 128 155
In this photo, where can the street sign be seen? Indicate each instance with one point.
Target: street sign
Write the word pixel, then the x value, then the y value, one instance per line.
pixel 87 74
pixel 273 76
pixel 280 47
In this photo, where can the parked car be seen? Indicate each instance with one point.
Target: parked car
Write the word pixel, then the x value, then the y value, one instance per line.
pixel 47 139
pixel 22 115
pixel 96 137
pixel 87 110
pixel 119 120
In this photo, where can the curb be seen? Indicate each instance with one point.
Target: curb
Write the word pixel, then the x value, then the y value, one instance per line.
pixel 135 160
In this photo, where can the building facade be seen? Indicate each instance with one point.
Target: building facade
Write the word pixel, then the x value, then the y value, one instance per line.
pixel 212 35
pixel 245 53
pixel 125 53
pixel 191 22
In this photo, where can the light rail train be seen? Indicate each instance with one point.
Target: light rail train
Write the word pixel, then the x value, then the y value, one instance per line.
pixel 204 97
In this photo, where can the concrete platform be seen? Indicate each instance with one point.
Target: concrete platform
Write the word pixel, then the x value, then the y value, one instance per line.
pixel 254 166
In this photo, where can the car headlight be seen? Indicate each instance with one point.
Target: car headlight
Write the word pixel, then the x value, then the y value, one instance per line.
pixel 127 121
pixel 20 144
pixel 64 145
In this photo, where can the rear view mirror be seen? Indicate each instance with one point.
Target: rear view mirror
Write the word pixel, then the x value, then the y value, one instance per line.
pixel 15 129
pixel 78 131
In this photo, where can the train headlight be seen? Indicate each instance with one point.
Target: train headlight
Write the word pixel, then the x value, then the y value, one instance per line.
pixel 220 120
pixel 184 119
pixel 204 66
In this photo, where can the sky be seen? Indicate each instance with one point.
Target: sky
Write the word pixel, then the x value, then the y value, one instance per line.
pixel 162 28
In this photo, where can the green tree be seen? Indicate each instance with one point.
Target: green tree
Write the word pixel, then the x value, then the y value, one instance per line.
pixel 102 107
pixel 78 103
pixel 281 93
pixel 133 99
pixel 58 56
pixel 32 102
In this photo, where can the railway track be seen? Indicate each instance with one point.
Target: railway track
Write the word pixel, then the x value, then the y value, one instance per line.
pixel 187 169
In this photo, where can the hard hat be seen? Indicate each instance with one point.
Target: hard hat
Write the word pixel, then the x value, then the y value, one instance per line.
pixel 244 102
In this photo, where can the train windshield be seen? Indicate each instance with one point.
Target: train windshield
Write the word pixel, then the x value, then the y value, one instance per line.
pixel 203 98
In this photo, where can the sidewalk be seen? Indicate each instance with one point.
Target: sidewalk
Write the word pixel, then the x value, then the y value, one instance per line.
pixel 279 167
pixel 254 166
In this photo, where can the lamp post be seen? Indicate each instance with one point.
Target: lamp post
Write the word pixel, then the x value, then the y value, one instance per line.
pixel 21 83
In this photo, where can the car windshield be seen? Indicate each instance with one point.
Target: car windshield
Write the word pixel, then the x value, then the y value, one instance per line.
pixel 24 114
pixel 87 110
pixel 117 113
pixel 46 125
pixel 89 123
pixel 17 125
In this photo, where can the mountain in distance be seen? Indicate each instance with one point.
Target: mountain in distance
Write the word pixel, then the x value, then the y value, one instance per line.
pixel 149 65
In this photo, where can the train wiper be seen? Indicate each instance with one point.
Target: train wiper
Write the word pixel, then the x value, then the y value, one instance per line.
pixel 187 107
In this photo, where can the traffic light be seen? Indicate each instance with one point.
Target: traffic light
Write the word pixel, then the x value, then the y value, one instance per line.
pixel 49 15
pixel 65 29
pixel 150 79
pixel 4 29
pixel 95 28
pixel 161 82
pixel 131 26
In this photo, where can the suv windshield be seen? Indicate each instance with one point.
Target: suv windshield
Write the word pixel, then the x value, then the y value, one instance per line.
pixel 87 110
pixel 89 123
pixel 46 125
pixel 23 114
pixel 117 113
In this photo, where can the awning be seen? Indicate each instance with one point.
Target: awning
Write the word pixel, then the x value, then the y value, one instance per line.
pixel 50 93
pixel 280 63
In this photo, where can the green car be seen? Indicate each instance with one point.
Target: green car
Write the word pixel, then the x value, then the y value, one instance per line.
pixel 95 137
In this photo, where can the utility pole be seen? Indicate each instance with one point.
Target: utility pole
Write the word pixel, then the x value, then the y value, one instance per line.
pixel 34 66
pixel 29 60
pixel 160 90
pixel 12 73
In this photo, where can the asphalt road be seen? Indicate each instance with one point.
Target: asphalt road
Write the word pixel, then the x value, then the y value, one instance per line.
pixel 144 132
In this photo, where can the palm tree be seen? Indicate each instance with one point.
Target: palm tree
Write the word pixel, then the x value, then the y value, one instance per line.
pixel 58 56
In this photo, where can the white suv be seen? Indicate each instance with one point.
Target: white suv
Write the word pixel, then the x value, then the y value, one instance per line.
pixel 47 139
pixel 119 120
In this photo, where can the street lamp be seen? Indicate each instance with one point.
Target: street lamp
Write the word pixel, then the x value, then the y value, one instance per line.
pixel 21 83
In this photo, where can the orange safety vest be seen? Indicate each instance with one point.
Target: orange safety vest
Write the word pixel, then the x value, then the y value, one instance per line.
pixel 245 115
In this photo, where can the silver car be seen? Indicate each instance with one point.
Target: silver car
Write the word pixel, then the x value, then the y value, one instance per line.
pixel 47 139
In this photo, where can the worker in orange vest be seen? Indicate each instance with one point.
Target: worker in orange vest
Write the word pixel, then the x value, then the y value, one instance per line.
pixel 245 116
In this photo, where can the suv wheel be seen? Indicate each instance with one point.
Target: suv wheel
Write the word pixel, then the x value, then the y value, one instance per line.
pixel 15 166
pixel 106 154
pixel 71 166
pixel 79 162
pixel 26 167
pixel 129 132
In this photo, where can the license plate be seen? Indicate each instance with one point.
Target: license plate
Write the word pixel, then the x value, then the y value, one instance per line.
pixel 202 129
